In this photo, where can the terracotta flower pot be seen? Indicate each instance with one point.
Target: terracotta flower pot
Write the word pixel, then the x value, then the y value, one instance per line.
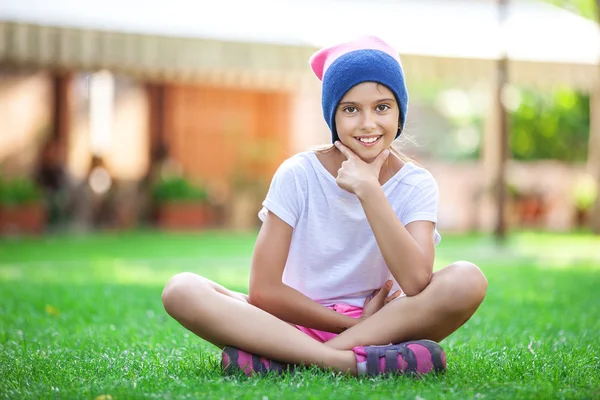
pixel 183 215
pixel 22 219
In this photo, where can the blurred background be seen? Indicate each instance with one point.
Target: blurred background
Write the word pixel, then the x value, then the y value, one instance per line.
pixel 175 115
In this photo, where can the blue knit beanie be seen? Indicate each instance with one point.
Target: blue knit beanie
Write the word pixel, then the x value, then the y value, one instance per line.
pixel 344 66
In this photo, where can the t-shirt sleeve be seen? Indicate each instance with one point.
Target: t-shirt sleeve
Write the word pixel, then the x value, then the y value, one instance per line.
pixel 423 204
pixel 284 197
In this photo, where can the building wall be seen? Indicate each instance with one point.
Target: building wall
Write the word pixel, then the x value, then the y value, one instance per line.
pixel 309 128
pixel 25 118
pixel 217 133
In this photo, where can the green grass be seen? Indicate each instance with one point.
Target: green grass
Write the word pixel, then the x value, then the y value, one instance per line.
pixel 81 318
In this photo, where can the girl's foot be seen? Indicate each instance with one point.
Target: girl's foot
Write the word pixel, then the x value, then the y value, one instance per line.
pixel 234 360
pixel 415 357
pixel 411 358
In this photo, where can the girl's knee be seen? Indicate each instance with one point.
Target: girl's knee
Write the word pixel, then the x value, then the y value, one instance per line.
pixel 177 289
pixel 468 285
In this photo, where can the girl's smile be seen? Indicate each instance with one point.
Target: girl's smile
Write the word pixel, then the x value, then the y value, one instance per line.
pixel 368 140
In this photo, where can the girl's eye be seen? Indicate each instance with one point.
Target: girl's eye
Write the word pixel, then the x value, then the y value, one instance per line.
pixel 350 109
pixel 383 107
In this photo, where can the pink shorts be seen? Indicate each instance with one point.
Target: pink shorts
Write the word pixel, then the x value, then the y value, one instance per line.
pixel 322 336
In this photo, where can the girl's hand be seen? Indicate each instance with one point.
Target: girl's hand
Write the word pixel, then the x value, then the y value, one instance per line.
pixel 379 299
pixel 356 175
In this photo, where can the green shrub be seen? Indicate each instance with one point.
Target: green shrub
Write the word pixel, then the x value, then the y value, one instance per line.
pixel 178 189
pixel 20 191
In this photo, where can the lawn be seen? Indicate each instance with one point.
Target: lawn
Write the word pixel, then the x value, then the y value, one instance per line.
pixel 81 318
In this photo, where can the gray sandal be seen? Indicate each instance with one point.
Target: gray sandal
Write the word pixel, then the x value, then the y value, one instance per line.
pixel 234 360
pixel 411 358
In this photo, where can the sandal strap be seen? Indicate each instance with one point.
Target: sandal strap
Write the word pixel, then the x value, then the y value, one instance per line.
pixel 261 369
pixel 232 353
pixel 391 352
pixel 408 356
pixel 372 360
pixel 411 360
pixel 391 360
pixel 258 366
pixel 276 366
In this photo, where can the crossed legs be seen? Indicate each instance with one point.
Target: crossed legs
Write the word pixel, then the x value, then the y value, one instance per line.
pixel 223 317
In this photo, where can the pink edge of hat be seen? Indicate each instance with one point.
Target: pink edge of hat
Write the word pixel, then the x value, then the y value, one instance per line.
pixel 322 59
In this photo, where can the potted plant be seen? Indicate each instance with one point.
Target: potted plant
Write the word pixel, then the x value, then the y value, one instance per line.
pixel 181 204
pixel 21 207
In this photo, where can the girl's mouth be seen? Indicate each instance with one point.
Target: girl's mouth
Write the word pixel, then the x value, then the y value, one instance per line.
pixel 368 140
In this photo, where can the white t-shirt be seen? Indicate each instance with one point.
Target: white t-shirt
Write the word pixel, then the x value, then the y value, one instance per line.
pixel 333 256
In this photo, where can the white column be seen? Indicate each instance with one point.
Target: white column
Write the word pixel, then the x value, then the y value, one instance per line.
pixel 593 162
pixel 491 163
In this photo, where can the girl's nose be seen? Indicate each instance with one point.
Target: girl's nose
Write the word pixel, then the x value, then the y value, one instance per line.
pixel 368 121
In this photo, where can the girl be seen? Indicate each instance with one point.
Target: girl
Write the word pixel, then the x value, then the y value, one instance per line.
pixel 342 271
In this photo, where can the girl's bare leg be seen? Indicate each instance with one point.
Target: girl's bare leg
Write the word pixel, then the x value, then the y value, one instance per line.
pixel 223 317
pixel 450 299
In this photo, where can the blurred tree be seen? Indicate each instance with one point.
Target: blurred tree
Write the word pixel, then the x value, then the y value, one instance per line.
pixel 551 126
pixel 589 9
pixel 554 125
pixel 585 8
pixel 594 164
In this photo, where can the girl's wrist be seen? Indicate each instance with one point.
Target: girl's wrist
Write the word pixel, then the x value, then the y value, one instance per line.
pixel 349 323
pixel 367 189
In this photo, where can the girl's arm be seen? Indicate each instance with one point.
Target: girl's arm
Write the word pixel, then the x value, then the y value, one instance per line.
pixel 268 292
pixel 407 251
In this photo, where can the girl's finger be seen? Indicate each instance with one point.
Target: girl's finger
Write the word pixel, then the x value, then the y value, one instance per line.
pixel 394 296
pixel 349 154
pixel 386 288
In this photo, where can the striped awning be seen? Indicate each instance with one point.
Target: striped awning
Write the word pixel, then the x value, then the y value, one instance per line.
pixel 151 57
pixel 250 50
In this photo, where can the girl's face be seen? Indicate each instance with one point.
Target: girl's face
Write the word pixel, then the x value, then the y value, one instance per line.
pixel 367 119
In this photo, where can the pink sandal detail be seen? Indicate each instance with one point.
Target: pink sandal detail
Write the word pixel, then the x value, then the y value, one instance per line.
pixel 417 357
